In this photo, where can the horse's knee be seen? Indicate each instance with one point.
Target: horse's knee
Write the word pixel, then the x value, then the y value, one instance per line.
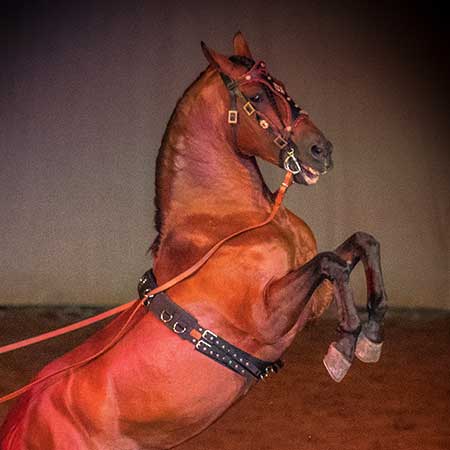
pixel 365 239
pixel 332 266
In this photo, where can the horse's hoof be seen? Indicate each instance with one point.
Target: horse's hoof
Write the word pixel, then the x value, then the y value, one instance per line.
pixel 366 350
pixel 336 364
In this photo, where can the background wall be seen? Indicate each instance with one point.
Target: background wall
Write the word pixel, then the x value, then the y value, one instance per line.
pixel 86 92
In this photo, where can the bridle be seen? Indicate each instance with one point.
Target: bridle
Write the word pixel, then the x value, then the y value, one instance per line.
pixel 281 137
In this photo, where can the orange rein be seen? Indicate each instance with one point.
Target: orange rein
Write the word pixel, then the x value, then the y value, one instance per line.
pixel 133 305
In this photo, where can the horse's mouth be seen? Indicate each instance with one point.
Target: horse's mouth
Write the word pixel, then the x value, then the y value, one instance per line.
pixel 308 174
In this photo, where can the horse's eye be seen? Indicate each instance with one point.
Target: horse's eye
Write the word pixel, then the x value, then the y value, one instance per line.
pixel 256 98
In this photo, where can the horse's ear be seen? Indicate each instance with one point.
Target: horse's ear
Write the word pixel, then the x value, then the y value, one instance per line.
pixel 241 47
pixel 218 61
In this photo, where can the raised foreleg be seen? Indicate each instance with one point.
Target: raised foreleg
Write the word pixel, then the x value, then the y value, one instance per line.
pixel 365 248
pixel 286 298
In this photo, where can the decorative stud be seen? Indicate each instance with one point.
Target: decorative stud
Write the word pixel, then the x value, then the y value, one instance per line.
pixel 249 109
pixel 264 124
pixel 280 142
pixel 232 116
pixel 278 88
pixel 248 77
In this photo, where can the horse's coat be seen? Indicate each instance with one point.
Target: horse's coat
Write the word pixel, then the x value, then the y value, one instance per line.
pixel 152 390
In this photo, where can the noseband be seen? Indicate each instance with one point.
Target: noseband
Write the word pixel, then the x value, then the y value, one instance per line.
pixel 294 114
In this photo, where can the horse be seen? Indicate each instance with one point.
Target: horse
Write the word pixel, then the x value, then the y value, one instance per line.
pixel 159 384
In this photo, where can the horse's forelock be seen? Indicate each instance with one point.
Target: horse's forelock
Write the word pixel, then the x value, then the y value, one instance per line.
pixel 248 63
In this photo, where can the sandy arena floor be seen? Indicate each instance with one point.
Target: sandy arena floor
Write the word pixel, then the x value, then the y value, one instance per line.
pixel 401 403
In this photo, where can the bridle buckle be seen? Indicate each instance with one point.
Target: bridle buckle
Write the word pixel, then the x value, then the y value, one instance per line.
pixel 232 117
pixel 291 159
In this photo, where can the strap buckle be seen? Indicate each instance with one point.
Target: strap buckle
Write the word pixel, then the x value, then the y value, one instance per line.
pixel 292 160
pixel 209 336
pixel 232 117
pixel 207 339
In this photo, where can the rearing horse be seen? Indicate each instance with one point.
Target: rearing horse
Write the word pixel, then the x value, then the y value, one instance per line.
pixel 176 370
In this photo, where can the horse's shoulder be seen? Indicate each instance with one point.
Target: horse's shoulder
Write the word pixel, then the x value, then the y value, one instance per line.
pixel 302 236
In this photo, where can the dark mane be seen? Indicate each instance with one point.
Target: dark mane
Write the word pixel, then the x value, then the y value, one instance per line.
pixel 242 61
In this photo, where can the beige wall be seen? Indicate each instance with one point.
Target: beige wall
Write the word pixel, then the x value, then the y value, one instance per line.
pixel 86 94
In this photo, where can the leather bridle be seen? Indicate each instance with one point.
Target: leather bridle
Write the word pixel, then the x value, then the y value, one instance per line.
pixel 281 137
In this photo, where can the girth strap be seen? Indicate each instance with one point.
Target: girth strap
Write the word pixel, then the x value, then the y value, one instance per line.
pixel 186 326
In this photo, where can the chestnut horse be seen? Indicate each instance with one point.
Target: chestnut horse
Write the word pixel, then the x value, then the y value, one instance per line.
pixel 154 390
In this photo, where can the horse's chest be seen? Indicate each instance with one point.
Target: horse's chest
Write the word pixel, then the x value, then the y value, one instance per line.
pixel 282 246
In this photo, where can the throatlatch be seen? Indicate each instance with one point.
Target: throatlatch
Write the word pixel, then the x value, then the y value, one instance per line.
pixel 186 326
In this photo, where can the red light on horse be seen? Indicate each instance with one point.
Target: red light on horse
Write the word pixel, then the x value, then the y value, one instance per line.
pixel 176 370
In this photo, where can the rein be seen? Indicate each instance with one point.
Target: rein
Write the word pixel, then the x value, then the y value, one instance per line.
pixel 133 306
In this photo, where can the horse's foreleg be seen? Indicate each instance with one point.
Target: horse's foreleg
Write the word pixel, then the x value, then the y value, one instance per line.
pixel 365 248
pixel 286 298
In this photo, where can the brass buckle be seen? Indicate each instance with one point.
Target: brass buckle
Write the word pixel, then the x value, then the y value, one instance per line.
pixel 280 142
pixel 249 109
pixel 232 116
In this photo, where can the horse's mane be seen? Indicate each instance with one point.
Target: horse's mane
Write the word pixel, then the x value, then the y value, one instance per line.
pixel 158 217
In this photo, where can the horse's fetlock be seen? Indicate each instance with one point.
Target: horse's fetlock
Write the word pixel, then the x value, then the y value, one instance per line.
pixel 353 328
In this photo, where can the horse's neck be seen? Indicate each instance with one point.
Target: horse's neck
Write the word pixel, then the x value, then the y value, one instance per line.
pixel 201 177
pixel 204 176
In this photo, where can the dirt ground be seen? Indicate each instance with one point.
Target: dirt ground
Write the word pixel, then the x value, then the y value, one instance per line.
pixel 401 403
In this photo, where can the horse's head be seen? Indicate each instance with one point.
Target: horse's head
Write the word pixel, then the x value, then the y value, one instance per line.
pixel 266 120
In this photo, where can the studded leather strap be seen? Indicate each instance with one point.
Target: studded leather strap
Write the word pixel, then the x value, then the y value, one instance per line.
pixel 186 326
